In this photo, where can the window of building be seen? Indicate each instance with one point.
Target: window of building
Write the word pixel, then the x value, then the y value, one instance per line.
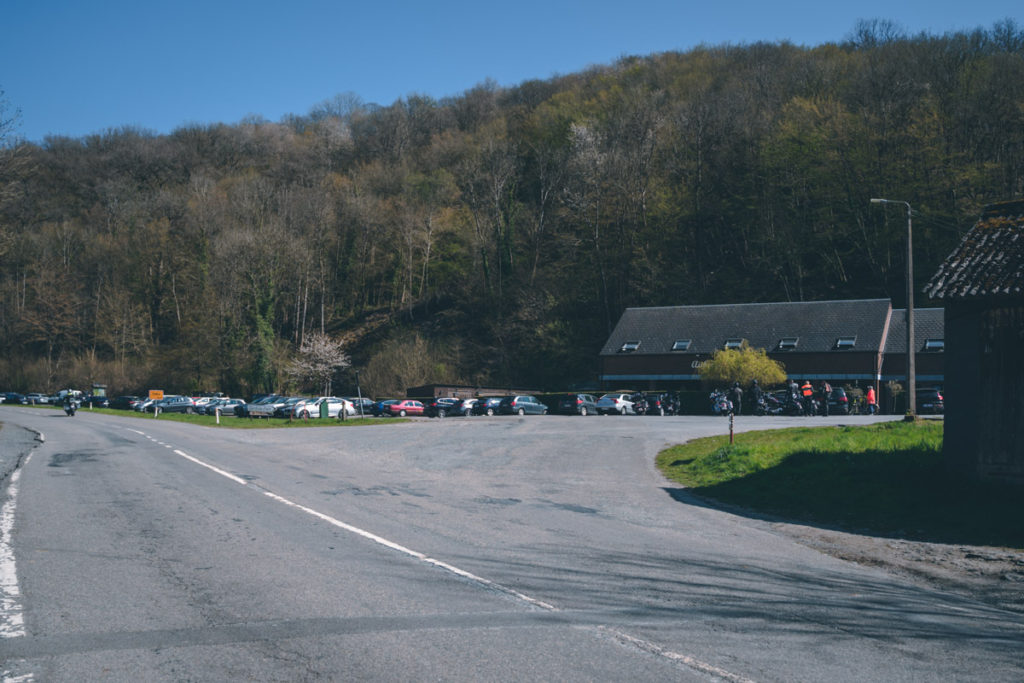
pixel 845 343
pixel 788 343
pixel 629 347
pixel 934 344
pixel 681 345
pixel 733 343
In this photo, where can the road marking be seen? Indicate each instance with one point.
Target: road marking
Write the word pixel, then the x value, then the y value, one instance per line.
pixel 12 620
pixel 622 638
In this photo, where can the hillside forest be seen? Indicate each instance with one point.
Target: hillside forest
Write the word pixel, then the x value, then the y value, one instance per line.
pixel 495 237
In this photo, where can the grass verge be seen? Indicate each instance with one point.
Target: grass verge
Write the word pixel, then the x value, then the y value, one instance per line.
pixel 886 479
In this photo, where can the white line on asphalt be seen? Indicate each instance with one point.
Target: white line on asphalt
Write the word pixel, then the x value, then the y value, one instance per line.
pixel 12 621
pixel 623 638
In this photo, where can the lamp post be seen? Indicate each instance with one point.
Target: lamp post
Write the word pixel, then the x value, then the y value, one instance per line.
pixel 359 393
pixel 911 374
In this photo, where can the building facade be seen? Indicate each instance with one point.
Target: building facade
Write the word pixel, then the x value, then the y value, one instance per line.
pixel 855 342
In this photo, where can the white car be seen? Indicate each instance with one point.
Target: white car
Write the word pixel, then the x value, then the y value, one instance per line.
pixel 618 404
pixel 310 409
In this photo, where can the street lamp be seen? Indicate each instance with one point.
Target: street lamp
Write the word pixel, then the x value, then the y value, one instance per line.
pixel 911 375
pixel 359 393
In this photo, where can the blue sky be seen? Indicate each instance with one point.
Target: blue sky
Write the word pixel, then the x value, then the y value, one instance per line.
pixel 75 68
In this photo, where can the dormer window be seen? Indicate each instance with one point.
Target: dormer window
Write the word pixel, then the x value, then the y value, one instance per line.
pixel 845 343
pixel 681 345
pixel 788 343
pixel 934 345
pixel 630 347
pixel 733 343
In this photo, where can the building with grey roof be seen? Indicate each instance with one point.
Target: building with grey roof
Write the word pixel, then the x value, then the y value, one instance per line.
pixel 844 342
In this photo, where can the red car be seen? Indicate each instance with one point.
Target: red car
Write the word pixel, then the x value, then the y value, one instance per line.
pixel 403 408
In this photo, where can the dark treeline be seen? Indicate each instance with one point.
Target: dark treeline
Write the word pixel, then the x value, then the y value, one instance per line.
pixel 496 237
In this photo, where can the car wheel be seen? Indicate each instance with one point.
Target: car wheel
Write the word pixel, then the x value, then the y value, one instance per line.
pixel 442 413
pixel 521 412
pixel 401 413
pixel 583 412
pixel 189 411
pixel 544 412
pixel 490 412
pixel 305 415
pixel 622 411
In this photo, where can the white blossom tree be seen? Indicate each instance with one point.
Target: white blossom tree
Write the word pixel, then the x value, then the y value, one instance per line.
pixel 318 359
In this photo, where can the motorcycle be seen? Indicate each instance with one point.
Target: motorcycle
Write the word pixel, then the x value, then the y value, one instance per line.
pixel 70 407
pixel 720 403
pixel 640 404
pixel 769 405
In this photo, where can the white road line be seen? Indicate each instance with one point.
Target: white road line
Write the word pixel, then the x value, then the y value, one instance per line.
pixel 621 637
pixel 12 620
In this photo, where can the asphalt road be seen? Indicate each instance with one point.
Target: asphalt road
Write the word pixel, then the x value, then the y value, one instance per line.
pixel 498 549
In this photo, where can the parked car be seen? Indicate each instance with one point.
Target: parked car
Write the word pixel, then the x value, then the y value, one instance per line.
pixel 310 409
pixel 35 398
pixel 406 407
pixel 122 402
pixel 438 407
pixel 15 398
pixel 285 408
pixel 94 401
pixel 521 405
pixel 463 407
pixel 930 401
pixel 486 405
pixel 617 404
pixel 141 405
pixel 266 406
pixel 380 407
pixel 362 406
pixel 226 406
pixel 838 402
pixel 173 404
pixel 577 404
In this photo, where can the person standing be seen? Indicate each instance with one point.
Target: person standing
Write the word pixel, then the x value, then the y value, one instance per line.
pixel 808 394
pixel 757 394
pixel 736 396
pixel 826 389
pixel 872 401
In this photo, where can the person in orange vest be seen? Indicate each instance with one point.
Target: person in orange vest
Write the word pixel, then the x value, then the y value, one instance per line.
pixel 808 392
pixel 872 405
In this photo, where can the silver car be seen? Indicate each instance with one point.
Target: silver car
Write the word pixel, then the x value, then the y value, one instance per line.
pixel 615 404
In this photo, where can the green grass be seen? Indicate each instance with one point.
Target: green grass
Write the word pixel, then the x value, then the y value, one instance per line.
pixel 235 422
pixel 887 479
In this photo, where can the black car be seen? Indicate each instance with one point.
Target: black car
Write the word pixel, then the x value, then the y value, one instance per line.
pixel 95 401
pixel 838 402
pixel 363 406
pixel 486 405
pixel 122 402
pixel 930 402
pixel 438 407
pixel 577 404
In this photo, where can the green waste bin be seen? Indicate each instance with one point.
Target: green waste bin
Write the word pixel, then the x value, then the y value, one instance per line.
pixel 324 409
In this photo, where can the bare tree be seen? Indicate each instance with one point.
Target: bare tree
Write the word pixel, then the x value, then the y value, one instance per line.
pixel 319 358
